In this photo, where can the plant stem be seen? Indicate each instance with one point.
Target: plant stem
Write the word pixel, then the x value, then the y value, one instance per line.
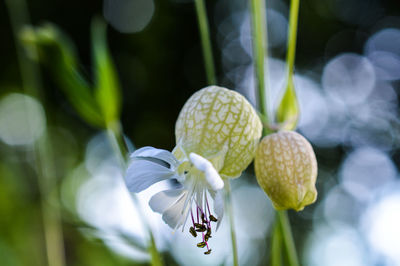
pixel 205 41
pixel 115 135
pixel 276 244
pixel 209 65
pixel 260 53
pixel 290 58
pixel 228 204
pixel 292 35
pixel 42 153
pixel 50 202
pixel 288 238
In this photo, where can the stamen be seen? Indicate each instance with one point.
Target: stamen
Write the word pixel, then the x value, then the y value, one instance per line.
pixel 197 210
pixel 208 207
pixel 197 225
pixel 201 244
pixel 201 229
pixel 208 231
pixel 213 219
pixel 192 231
pixel 191 213
pixel 203 218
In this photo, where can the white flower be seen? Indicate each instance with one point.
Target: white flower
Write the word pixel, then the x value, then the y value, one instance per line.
pixel 217 133
pixel 198 181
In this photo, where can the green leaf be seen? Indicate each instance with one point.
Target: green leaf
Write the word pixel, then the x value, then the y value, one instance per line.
pixel 288 111
pixel 107 89
pixel 49 45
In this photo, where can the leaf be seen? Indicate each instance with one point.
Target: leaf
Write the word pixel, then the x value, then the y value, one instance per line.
pixel 49 45
pixel 107 89
pixel 288 110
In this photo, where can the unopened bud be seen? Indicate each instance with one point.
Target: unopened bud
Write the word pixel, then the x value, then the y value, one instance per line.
pixel 286 169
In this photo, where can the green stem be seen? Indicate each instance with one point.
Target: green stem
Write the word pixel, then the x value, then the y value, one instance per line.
pixel 19 17
pixel 260 53
pixel 205 41
pixel 276 245
pixel 292 35
pixel 115 135
pixel 228 206
pixel 288 238
pixel 50 202
pixel 209 65
pixel 290 58
pixel 42 153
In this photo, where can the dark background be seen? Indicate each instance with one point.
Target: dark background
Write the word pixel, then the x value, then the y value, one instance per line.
pixel 159 68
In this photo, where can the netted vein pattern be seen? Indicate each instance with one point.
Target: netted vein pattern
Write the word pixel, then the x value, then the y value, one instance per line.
pixel 286 168
pixel 222 126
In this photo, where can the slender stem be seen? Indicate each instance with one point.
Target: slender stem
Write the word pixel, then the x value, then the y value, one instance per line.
pixel 228 205
pixel 288 238
pixel 260 53
pixel 276 244
pixel 290 58
pixel 292 35
pixel 19 17
pixel 42 153
pixel 115 135
pixel 209 65
pixel 50 203
pixel 205 41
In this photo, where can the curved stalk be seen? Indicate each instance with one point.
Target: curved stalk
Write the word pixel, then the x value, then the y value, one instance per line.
pixel 115 135
pixel 211 78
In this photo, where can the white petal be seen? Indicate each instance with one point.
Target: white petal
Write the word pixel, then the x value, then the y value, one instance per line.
pixel 212 176
pixel 218 197
pixel 165 199
pixel 159 154
pixel 173 216
pixel 143 173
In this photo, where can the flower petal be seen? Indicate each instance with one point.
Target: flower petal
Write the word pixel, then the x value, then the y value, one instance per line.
pixel 162 200
pixel 173 216
pixel 159 154
pixel 212 176
pixel 143 173
pixel 218 197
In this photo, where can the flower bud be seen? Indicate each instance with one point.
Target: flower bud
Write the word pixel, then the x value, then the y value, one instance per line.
pixel 221 126
pixel 286 169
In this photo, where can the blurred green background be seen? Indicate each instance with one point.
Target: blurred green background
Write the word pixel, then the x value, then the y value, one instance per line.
pixel 348 72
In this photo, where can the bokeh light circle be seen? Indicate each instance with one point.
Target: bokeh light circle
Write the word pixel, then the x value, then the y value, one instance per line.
pixel 128 16
pixel 22 119
pixel 349 78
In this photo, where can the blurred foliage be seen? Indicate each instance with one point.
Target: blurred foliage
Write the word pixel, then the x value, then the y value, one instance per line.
pixel 144 78
pixel 98 106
